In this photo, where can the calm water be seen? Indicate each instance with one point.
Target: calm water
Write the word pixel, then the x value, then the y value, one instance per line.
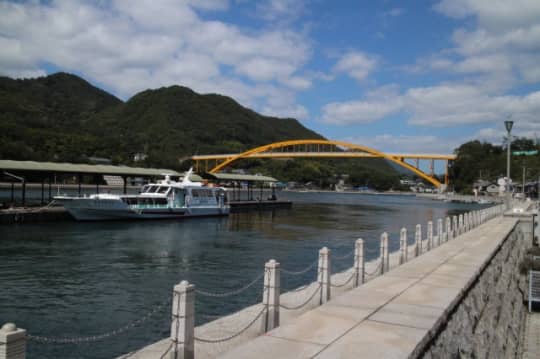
pixel 73 279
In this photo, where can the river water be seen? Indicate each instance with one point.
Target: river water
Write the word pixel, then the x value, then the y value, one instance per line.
pixel 70 279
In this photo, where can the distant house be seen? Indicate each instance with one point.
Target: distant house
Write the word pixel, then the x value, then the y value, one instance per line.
pixel 139 157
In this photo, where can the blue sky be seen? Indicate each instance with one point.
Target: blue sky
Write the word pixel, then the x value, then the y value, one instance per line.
pixel 398 76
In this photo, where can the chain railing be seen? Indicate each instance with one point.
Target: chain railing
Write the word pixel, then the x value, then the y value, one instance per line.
pixel 233 292
pixel 343 257
pixel 375 271
pixel 353 274
pixel 303 304
pixel 95 338
pixel 300 272
pixel 232 336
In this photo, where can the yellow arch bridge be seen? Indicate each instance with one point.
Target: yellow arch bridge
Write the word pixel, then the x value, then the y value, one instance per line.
pixel 325 149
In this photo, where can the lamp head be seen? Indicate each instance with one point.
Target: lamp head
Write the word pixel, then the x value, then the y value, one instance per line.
pixel 508 125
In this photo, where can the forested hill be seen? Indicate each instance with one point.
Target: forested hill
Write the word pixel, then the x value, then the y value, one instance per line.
pixel 62 117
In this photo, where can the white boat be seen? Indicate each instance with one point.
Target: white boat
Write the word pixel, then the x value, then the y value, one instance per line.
pixel 165 199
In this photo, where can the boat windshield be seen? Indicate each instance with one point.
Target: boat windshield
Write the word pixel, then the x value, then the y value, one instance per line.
pixel 155 189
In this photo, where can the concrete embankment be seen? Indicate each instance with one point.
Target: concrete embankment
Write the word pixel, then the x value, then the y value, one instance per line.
pixel 464 298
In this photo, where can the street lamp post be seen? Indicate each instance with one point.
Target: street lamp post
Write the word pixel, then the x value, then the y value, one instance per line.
pixel 508 125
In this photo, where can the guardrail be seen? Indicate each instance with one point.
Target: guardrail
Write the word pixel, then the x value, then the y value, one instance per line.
pixel 183 338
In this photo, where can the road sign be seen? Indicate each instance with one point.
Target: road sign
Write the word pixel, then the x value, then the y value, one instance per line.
pixel 525 153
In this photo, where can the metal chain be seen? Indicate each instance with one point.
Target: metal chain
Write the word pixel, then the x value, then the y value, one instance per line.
pixel 94 338
pixel 166 351
pixel 220 340
pixel 304 303
pixel 234 292
pixel 299 289
pixel 303 271
pixel 373 250
pixel 338 258
pixel 378 268
pixel 345 283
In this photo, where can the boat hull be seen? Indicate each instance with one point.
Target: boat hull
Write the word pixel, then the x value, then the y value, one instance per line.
pixel 85 209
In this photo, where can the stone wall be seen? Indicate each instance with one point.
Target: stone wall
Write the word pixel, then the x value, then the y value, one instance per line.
pixel 487 322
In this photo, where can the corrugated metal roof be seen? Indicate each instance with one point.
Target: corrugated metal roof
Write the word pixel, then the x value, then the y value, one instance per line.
pixel 32 166
pixel 239 177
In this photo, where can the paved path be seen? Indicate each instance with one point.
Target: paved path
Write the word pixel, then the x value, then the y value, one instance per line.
pixel 531 345
pixel 390 316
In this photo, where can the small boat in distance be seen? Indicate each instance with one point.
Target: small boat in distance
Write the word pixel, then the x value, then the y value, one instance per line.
pixel 165 199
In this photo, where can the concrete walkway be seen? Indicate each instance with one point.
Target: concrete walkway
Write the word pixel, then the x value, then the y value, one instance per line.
pixel 531 342
pixel 390 316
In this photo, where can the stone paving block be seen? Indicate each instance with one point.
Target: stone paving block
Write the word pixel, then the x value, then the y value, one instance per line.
pixel 268 347
pixel 455 270
pixel 442 280
pixel 322 325
pixel 428 295
pixel 374 340
pixel 416 316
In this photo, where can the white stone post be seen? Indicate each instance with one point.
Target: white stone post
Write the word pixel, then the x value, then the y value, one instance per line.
pixel 359 266
pixel 439 231
pixel 455 227
pixel 12 342
pixel 386 252
pixel 403 250
pixel 324 274
pixel 448 229
pixel 429 235
pixel 183 321
pixel 418 240
pixel 460 224
pixel 271 293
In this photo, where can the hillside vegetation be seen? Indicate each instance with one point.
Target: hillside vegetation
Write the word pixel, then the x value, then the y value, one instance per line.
pixel 63 118
pixel 482 160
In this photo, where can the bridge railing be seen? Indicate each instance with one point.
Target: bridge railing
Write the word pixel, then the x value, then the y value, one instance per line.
pixel 267 315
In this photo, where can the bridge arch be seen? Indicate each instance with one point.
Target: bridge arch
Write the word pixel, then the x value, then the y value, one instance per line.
pixel 277 145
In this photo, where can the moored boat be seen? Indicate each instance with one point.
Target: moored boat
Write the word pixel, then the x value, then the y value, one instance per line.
pixel 164 199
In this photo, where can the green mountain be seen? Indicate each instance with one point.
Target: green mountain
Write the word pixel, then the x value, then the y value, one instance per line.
pixel 42 119
pixel 63 118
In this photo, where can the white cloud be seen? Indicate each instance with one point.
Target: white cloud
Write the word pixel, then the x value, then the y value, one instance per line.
pixel 504 46
pixel 444 105
pixel 131 46
pixel 281 11
pixel 356 64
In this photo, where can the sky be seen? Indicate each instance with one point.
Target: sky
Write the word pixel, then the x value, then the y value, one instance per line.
pixel 397 76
